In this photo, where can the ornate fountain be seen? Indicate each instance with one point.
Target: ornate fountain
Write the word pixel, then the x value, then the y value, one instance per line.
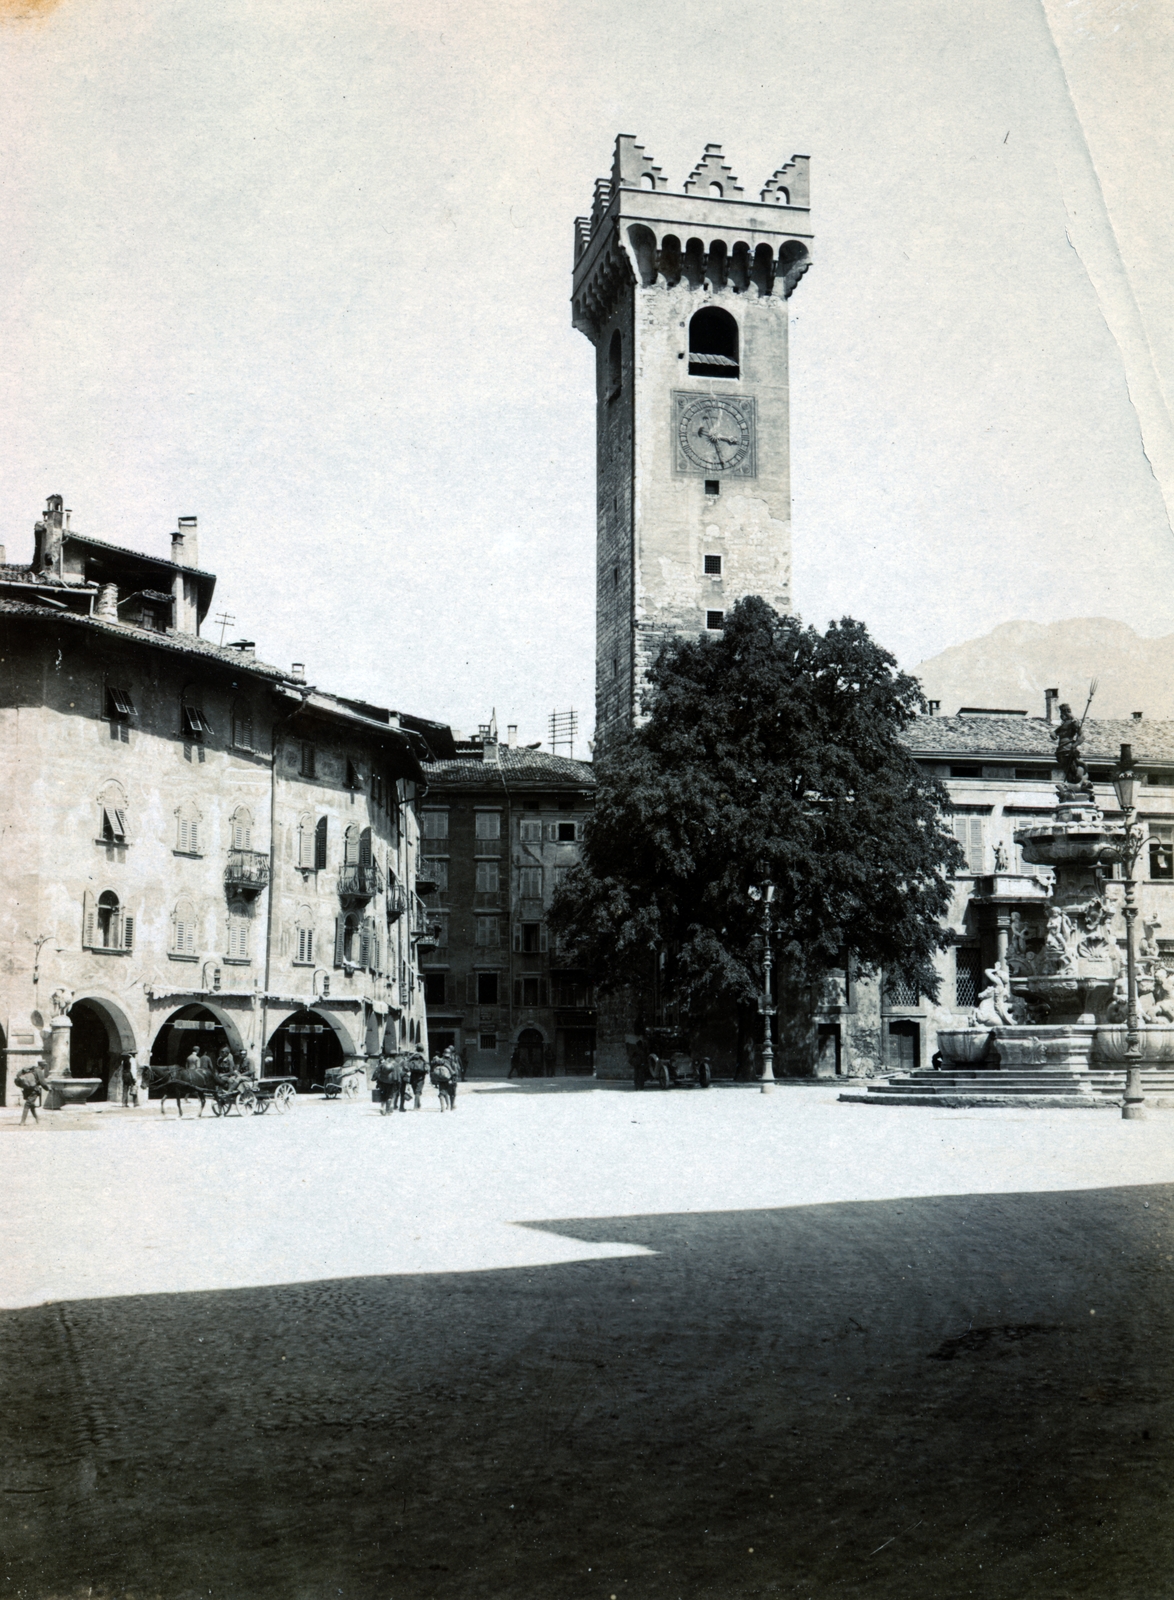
pixel 1057 995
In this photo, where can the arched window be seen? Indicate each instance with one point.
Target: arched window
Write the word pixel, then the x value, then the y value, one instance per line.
pixel 615 365
pixel 242 828
pixel 365 856
pixel 239 917
pixel 105 922
pixel 350 846
pixel 112 810
pixel 320 844
pixel 352 939
pixel 187 829
pixel 713 344
pixel 242 725
pixel 183 929
pixel 108 920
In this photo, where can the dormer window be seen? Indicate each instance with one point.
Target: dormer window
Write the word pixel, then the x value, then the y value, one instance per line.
pixel 713 344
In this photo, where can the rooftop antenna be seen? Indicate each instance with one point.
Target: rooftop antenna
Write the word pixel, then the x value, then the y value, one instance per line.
pixel 224 619
pixel 563 725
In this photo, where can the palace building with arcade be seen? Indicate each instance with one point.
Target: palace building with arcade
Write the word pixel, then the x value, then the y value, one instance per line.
pixel 199 847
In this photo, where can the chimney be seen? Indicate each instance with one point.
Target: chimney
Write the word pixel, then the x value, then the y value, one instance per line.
pixel 184 550
pixel 511 731
pixel 1137 715
pixel 48 534
pixel 935 707
pixel 106 608
pixel 298 672
pixel 1050 698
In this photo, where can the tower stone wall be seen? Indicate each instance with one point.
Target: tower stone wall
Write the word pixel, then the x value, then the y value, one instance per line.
pixel 693 451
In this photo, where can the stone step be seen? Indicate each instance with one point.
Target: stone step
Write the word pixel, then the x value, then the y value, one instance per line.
pixel 961 1102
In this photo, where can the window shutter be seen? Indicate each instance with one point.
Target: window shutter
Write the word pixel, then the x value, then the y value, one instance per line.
pixel 128 933
pixel 338 938
pixel 194 835
pixel 364 942
pixel 182 837
pixel 120 826
pixel 542 938
pixel 518 937
pixel 88 920
pixel 320 844
pixel 190 945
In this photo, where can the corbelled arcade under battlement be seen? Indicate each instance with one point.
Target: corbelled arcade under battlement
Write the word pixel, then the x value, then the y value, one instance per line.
pixel 707 234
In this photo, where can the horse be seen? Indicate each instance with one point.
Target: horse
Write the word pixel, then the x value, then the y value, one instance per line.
pixel 178 1083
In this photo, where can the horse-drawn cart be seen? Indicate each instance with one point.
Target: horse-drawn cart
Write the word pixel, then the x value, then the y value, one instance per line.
pixel 279 1093
pixel 242 1098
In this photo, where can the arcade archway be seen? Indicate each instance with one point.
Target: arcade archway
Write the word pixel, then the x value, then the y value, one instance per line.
pixel 305 1047
pixel 101 1036
pixel 201 1026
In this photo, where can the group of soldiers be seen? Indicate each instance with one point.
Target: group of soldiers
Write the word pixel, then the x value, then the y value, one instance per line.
pixel 404 1073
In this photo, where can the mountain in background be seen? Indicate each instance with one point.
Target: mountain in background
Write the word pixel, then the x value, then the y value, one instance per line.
pixel 1011 667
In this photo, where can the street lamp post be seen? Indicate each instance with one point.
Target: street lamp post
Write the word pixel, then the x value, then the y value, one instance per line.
pixel 1125 783
pixel 766 1004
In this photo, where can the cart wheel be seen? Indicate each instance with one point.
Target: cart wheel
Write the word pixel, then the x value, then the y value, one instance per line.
pixel 218 1110
pixel 247 1103
pixel 283 1096
pixel 350 1089
pixel 663 1075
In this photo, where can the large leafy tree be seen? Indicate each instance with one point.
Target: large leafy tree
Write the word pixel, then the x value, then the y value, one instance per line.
pixel 771 752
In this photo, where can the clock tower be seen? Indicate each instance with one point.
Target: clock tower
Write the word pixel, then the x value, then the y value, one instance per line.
pixel 684 296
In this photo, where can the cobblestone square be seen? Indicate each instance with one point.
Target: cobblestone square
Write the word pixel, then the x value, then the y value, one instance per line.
pixel 574 1341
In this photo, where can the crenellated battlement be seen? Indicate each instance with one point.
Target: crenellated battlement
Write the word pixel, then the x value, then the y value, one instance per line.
pixel 707 234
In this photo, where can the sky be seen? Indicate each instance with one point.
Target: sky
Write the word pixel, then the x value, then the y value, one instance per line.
pixel 303 270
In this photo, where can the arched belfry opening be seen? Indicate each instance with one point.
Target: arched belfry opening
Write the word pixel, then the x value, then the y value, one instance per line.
pixel 713 344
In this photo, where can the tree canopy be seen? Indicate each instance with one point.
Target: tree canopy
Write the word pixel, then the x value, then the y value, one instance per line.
pixel 771 752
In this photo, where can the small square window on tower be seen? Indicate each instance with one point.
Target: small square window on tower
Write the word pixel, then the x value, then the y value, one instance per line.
pixel 713 486
pixel 713 566
pixel 715 619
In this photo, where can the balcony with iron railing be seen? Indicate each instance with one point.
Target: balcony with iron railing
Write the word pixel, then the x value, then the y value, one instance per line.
pixel 247 871
pixel 360 882
pixel 397 901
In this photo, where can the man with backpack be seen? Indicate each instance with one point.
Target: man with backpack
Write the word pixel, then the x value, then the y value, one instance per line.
pixel 31 1080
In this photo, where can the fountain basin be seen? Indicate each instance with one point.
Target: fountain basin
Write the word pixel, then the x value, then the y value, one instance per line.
pixel 1070 997
pixel 1157 1043
pixel 70 1092
pixel 963 1047
pixel 1044 1048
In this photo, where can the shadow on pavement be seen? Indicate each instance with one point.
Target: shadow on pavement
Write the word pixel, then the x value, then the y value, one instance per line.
pixel 916 1398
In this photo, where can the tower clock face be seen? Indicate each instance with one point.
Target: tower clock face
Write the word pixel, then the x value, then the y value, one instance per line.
pixel 714 434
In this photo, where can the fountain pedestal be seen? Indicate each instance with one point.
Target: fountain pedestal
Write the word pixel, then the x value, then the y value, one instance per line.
pixel 64 1088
